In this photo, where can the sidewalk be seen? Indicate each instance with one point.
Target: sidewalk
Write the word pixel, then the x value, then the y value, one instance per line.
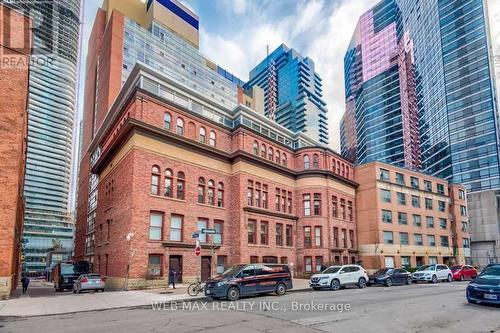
pixel 42 300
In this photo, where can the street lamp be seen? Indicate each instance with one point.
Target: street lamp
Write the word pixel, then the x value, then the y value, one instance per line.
pixel 128 238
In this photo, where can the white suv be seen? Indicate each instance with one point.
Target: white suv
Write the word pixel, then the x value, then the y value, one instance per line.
pixel 432 273
pixel 335 277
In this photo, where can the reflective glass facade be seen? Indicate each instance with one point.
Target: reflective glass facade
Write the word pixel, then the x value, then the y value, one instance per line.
pixel 171 55
pixel 447 123
pixel 51 105
pixel 294 92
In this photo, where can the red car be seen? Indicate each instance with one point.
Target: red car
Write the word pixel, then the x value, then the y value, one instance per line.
pixel 463 272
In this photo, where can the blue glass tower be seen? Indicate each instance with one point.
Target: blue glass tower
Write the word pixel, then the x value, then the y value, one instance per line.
pixel 293 92
pixel 448 103
pixel 51 106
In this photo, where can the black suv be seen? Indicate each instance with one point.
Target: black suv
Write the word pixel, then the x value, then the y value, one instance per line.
pixel 250 279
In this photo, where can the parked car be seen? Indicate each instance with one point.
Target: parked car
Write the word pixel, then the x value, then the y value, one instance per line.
pixel 432 273
pixel 335 277
pixel 250 279
pixel 463 272
pixel 389 277
pixel 486 287
pixel 89 282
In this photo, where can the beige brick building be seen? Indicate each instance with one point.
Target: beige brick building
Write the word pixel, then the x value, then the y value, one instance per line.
pixel 407 218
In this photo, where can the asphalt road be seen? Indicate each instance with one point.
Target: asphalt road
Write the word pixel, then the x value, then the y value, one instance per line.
pixel 416 308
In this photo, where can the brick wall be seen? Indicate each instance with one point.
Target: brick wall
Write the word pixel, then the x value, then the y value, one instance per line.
pixel 14 73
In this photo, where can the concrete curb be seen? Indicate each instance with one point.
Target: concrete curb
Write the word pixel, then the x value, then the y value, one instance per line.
pixel 185 299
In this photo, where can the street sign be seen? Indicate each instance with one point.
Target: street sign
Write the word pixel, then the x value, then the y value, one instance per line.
pixel 208 231
pixel 197 251
pixel 196 234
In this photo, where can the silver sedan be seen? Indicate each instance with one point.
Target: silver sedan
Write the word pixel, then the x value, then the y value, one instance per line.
pixel 89 282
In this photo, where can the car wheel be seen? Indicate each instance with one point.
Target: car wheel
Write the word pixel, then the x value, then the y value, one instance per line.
pixel 388 282
pixel 102 290
pixel 434 279
pixel 281 289
pixel 450 278
pixel 361 283
pixel 233 294
pixel 335 284
pixel 408 280
pixel 462 278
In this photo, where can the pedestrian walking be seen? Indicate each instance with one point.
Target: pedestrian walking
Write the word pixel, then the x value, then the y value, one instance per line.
pixel 25 282
pixel 172 276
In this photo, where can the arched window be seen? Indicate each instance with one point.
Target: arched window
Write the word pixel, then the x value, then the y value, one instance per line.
pixel 277 157
pixel 201 190
pixel 211 192
pixel 155 180
pixel 212 140
pixel 181 184
pixel 263 151
pixel 167 121
pixel 343 169
pixel 270 153
pixel 203 135
pixel 180 126
pixel 220 195
pixel 284 160
pixel 256 148
pixel 315 161
pixel 333 164
pixel 346 172
pixel 338 167
pixel 306 162
pixel 168 183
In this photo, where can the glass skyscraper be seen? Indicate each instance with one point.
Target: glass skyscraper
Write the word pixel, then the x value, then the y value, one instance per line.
pixel 446 123
pixel 293 92
pixel 51 106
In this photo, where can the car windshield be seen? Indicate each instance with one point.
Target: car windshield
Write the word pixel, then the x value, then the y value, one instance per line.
pixel 67 268
pixel 456 268
pixel 331 270
pixel 491 271
pixel 384 271
pixel 232 270
pixel 427 268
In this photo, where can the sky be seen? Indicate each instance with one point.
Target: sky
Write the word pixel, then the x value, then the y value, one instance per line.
pixel 235 33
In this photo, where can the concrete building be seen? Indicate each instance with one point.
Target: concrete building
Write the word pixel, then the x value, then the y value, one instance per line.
pixel 51 106
pixel 293 92
pixel 407 219
pixel 420 93
pixel 15 50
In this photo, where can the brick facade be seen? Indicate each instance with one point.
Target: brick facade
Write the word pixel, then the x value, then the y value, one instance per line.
pixel 14 72
pixel 138 140
pixel 408 218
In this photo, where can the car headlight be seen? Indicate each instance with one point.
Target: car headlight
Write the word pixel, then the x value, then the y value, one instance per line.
pixel 323 278
pixel 219 284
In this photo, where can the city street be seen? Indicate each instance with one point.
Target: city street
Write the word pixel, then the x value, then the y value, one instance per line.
pixel 415 308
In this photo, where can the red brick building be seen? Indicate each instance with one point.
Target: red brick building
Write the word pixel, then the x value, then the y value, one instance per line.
pixel 15 43
pixel 165 172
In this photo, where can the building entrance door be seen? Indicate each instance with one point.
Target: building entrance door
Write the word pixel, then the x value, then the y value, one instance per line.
pixel 175 262
pixel 206 268
pixel 389 262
